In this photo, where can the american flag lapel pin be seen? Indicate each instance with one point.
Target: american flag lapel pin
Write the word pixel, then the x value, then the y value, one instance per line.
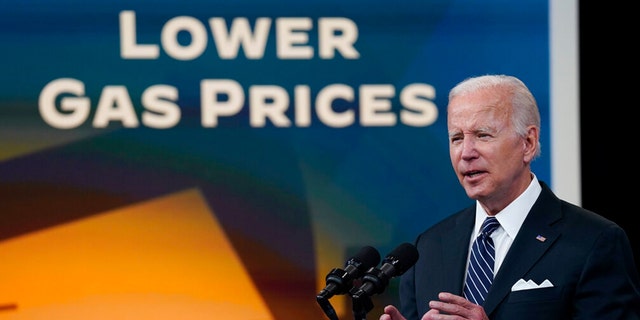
pixel 541 238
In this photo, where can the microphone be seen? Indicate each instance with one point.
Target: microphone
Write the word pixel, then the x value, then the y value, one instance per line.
pixel 394 264
pixel 340 281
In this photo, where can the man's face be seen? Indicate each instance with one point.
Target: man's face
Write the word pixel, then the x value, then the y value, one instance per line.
pixel 486 153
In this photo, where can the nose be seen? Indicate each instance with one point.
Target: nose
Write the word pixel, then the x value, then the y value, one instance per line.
pixel 469 149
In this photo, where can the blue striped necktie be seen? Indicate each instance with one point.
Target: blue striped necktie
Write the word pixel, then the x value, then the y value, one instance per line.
pixel 481 262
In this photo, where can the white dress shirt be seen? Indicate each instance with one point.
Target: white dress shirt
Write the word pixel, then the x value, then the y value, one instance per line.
pixel 510 218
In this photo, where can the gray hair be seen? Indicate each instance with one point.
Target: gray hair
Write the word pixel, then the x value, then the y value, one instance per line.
pixel 525 109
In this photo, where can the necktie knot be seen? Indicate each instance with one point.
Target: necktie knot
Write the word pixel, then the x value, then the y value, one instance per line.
pixel 489 225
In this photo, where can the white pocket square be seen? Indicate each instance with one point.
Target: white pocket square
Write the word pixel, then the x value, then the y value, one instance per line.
pixel 528 285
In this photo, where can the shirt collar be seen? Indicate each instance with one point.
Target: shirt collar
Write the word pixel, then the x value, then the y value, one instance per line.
pixel 513 215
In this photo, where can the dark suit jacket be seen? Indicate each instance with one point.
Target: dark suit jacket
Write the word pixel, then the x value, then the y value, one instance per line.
pixel 587 258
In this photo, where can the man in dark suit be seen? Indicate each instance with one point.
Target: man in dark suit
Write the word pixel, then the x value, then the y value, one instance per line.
pixel 549 259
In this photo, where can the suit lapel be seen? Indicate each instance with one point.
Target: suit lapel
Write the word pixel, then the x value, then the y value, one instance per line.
pixel 535 237
pixel 455 261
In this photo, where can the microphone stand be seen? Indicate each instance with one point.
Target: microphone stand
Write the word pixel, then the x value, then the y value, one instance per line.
pixel 361 305
pixel 327 308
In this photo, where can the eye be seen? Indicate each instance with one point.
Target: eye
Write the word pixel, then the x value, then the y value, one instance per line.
pixel 484 135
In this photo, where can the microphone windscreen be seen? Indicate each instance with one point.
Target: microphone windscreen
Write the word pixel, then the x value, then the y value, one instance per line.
pixel 402 258
pixel 366 258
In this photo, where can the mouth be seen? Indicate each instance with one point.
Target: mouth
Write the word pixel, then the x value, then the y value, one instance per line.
pixel 473 173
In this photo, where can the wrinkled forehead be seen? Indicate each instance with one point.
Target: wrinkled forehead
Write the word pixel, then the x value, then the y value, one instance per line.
pixel 472 111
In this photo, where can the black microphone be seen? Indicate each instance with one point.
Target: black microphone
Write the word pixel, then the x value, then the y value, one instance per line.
pixel 394 264
pixel 341 281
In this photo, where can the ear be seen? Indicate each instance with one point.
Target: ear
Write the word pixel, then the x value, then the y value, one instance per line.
pixel 531 143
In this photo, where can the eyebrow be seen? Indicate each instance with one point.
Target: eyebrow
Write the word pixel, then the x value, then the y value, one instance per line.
pixel 475 131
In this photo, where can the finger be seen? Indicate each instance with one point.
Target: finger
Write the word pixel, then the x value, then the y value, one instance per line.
pixel 457 305
pixel 455 299
pixel 430 314
pixel 451 308
pixel 452 298
pixel 393 313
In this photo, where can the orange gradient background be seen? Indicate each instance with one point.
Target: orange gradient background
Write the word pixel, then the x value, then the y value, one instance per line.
pixel 163 259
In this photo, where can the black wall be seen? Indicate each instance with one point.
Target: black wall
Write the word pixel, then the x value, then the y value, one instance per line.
pixel 610 130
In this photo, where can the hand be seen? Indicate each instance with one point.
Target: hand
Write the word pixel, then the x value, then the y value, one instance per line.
pixel 451 306
pixel 391 313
